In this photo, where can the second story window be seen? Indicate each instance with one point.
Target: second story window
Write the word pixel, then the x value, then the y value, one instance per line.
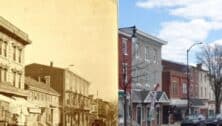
pixel 20 55
pixel 1 46
pixel 19 81
pixel 155 57
pixel 184 88
pixel 14 53
pixel 174 89
pixel 124 44
pixel 14 78
pixel 5 49
pixel 3 74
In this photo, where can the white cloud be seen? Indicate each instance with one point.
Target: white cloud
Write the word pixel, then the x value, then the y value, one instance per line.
pixel 216 42
pixel 164 3
pixel 203 17
pixel 210 9
pixel 181 35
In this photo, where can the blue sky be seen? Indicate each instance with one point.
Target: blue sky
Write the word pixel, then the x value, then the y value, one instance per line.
pixel 179 22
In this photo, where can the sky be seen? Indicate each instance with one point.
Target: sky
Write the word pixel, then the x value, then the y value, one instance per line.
pixel 179 22
pixel 78 32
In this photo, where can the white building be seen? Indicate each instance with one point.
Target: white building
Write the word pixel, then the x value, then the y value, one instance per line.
pixel 12 45
pixel 205 91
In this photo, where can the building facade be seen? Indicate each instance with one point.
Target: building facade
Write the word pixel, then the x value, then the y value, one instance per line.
pixel 125 62
pixel 146 70
pixel 12 46
pixel 205 92
pixel 175 85
pixel 46 101
pixel 74 100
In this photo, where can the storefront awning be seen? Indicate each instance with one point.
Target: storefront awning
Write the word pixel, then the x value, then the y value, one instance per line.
pixel 20 106
pixel 178 102
pixel 6 98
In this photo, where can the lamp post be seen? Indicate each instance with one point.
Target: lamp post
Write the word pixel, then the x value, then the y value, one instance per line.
pixel 188 77
pixel 125 78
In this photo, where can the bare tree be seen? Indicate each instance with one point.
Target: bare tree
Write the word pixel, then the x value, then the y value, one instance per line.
pixel 211 58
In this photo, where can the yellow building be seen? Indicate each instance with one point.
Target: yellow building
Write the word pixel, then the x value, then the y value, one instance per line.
pixel 12 45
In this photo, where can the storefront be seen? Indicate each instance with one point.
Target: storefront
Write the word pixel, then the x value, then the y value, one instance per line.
pixel 4 110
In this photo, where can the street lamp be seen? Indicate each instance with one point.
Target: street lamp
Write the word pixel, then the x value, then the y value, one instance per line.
pixel 188 77
pixel 125 78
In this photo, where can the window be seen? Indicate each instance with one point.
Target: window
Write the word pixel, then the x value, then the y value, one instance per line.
pixel 1 46
pixel 14 78
pixel 174 88
pixel 20 55
pixel 155 57
pixel 3 74
pixel 184 88
pixel 19 79
pixel 125 72
pixel 124 40
pixel 5 49
pixel 14 53
pixel 137 50
pixel 138 115
pixel 146 54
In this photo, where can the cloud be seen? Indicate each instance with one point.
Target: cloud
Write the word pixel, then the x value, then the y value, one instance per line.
pixel 181 35
pixel 197 19
pixel 209 9
pixel 163 3
pixel 216 42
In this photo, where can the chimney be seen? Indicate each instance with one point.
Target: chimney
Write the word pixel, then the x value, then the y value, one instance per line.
pixel 199 66
pixel 51 64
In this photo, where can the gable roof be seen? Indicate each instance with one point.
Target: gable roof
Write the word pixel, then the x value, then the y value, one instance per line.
pixel 40 86
pixel 144 96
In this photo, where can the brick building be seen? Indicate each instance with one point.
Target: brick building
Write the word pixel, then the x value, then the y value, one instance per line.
pixel 12 46
pixel 74 100
pixel 175 85
pixel 125 61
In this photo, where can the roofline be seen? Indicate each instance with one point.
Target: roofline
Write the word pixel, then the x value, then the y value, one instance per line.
pixel 175 62
pixel 147 35
pixel 123 33
pixel 59 68
pixel 151 37
pixel 12 29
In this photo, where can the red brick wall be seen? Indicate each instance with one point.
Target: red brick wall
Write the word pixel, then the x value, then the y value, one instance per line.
pixel 173 72
pixel 125 59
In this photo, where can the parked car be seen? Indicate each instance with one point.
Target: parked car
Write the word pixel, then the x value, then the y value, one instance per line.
pixel 214 120
pixel 194 120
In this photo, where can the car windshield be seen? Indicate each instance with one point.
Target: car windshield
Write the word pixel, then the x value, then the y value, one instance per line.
pixel 191 117
pixel 195 117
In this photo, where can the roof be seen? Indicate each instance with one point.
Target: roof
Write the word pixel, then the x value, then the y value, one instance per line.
pixel 40 85
pixel 13 31
pixel 142 96
pixel 139 96
pixel 57 68
pixel 129 31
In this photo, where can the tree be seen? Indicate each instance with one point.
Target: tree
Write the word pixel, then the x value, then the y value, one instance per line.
pixel 211 57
